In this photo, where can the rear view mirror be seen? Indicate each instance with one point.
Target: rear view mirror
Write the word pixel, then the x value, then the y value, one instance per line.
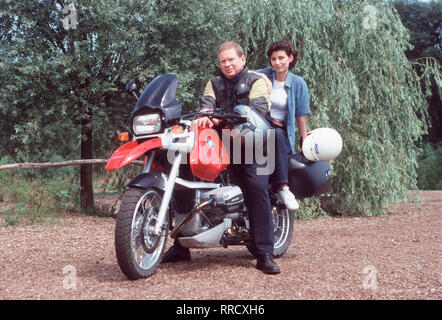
pixel 131 87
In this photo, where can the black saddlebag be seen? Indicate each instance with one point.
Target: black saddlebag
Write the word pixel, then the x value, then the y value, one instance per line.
pixel 308 178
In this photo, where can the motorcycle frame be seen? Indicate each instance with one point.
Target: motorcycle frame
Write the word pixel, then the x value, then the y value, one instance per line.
pixel 166 182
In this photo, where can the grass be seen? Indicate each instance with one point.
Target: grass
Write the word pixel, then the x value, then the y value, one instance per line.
pixel 33 199
pixel 36 200
pixel 11 217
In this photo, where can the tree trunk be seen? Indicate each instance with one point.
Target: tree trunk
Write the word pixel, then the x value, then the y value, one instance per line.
pixel 86 194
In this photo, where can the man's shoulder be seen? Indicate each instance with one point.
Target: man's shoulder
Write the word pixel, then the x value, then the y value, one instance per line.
pixel 217 84
pixel 216 80
pixel 252 77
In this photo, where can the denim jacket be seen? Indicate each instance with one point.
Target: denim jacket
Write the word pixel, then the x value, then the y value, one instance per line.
pixel 297 99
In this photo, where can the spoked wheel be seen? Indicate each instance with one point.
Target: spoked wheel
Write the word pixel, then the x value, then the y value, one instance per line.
pixel 139 251
pixel 283 231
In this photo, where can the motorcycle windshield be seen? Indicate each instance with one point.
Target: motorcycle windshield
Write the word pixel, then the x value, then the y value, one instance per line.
pixel 160 94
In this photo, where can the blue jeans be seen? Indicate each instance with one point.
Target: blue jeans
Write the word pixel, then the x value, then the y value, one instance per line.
pixel 282 152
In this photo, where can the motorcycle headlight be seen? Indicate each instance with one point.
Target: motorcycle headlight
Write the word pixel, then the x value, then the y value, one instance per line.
pixel 146 124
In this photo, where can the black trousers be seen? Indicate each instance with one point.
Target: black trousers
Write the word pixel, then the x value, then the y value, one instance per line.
pixel 256 196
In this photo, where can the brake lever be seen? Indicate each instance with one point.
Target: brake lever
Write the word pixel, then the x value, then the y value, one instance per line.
pixel 190 115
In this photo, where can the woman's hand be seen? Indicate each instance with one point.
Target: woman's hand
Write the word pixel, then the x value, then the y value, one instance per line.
pixel 267 80
pixel 302 127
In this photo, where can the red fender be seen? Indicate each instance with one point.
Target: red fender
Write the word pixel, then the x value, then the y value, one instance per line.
pixel 131 151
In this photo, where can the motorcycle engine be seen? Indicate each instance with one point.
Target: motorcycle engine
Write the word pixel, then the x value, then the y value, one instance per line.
pixel 228 200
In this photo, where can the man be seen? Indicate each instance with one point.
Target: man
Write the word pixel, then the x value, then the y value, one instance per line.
pixel 220 93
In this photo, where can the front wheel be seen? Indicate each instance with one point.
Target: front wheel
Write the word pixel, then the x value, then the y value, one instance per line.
pixel 139 251
pixel 283 231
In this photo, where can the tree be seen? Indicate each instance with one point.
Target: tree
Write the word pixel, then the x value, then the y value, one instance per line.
pixel 60 74
pixel 65 66
pixel 360 82
pixel 424 23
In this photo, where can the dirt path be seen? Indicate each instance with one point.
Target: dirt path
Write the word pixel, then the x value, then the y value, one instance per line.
pixel 392 257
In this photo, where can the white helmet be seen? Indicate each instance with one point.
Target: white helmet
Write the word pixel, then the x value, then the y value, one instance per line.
pixel 322 144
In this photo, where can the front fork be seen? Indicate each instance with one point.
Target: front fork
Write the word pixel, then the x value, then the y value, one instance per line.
pixel 149 162
pixel 168 189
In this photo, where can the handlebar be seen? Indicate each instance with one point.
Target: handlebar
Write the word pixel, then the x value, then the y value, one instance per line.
pixel 228 118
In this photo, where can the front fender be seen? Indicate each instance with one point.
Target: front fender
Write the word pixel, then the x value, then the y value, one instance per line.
pixel 149 179
pixel 131 151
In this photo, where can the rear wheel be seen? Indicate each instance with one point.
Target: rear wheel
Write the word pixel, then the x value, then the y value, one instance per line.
pixel 283 231
pixel 139 251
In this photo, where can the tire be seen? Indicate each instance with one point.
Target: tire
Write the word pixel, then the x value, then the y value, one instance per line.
pixel 283 230
pixel 138 253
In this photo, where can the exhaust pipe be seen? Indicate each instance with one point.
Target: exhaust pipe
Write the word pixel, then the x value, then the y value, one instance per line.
pixel 190 216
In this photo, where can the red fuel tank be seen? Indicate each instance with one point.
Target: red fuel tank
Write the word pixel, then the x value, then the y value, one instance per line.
pixel 209 157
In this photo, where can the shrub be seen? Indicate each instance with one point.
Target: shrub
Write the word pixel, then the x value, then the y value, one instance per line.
pixel 430 169
pixel 37 199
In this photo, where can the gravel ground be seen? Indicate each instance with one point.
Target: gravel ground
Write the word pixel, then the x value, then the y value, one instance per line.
pixel 392 257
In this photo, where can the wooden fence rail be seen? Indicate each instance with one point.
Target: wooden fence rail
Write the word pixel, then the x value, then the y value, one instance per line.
pixel 28 165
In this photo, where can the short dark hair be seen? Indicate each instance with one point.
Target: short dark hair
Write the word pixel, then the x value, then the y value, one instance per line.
pixel 286 46
pixel 229 45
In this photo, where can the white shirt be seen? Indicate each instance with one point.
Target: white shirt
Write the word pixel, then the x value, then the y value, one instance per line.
pixel 278 98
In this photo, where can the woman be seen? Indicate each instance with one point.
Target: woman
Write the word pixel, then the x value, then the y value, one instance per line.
pixel 290 103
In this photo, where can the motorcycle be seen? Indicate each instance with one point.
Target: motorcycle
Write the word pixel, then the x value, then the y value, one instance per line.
pixel 187 188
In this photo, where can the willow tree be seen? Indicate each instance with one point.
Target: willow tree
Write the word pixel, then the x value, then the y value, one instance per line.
pixel 360 83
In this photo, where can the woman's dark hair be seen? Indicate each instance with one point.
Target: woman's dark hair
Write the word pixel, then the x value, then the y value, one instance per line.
pixel 286 46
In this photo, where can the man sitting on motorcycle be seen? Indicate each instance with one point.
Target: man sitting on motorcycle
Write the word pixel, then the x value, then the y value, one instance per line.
pixel 221 93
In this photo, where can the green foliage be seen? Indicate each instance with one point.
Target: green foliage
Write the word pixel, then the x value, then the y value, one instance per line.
pixel 11 218
pixel 430 169
pixel 310 208
pixel 423 20
pixel 360 83
pixel 424 23
pixel 67 85
pixel 56 79
pixel 351 55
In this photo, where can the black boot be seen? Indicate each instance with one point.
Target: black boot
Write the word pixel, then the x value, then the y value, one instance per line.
pixel 176 253
pixel 267 265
